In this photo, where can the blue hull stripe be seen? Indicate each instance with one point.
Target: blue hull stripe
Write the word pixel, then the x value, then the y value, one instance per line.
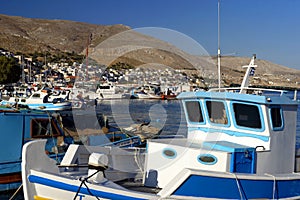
pixel 217 187
pixel 73 188
pixel 229 132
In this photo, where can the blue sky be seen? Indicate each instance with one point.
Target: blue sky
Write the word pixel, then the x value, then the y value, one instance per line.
pixel 269 28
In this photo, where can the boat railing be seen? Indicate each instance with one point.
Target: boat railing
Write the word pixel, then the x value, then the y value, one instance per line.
pixel 251 90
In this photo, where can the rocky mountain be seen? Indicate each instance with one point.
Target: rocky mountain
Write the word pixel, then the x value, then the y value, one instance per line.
pixel 119 44
pixel 26 35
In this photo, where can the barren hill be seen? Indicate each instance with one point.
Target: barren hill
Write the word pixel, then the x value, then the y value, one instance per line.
pixel 28 35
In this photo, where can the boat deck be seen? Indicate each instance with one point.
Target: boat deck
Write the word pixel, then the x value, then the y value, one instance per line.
pixel 137 185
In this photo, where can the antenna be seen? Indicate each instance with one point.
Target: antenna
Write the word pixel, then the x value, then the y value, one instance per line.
pixel 219 49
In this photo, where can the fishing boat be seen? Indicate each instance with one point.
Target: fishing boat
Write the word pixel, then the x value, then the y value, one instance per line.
pixel 41 100
pixel 240 145
pixel 17 128
pixel 146 92
pixel 110 91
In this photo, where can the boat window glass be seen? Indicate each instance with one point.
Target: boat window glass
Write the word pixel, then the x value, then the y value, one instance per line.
pixel 105 87
pixel 36 95
pixel 216 112
pixel 276 117
pixel 194 111
pixel 247 115
pixel 40 128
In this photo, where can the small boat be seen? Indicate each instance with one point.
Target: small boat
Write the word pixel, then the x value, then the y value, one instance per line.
pixel 146 92
pixel 240 145
pixel 110 91
pixel 17 128
pixel 170 93
pixel 168 96
pixel 103 91
pixel 41 100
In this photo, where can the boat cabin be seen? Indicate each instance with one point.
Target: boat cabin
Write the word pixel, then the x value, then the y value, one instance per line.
pixel 19 127
pixel 228 132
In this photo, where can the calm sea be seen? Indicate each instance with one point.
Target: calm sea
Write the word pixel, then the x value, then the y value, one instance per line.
pixel 166 114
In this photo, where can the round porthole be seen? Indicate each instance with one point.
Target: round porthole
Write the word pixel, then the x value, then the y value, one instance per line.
pixel 207 159
pixel 169 153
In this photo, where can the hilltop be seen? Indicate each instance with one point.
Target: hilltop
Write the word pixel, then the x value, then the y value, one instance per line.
pixel 118 44
pixel 27 35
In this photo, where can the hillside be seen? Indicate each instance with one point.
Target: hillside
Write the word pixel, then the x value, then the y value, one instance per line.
pixel 119 44
pixel 27 35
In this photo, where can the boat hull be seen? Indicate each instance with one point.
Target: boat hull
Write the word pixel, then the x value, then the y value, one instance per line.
pixel 195 186
pixel 55 187
pixel 240 186
pixel 41 106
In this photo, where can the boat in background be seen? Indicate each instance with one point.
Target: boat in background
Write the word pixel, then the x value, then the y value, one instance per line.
pixel 240 145
pixel 103 91
pixel 146 92
pixel 110 91
pixel 41 100
pixel 17 128
pixel 170 93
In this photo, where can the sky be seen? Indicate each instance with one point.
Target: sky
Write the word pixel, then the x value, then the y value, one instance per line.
pixel 268 28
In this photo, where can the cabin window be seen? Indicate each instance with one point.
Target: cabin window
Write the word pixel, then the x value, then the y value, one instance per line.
pixel 42 128
pixel 194 111
pixel 105 87
pixel 36 95
pixel 216 112
pixel 276 118
pixel 247 115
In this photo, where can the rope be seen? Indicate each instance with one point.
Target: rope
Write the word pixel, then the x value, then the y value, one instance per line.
pixel 16 192
pixel 274 184
pixel 238 185
pixel 52 136
pixel 136 159
pixel 83 182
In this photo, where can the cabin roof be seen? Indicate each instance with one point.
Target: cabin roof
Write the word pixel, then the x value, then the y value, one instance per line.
pixel 261 99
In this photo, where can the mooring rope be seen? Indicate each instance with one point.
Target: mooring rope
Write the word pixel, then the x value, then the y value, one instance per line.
pixel 274 184
pixel 238 185
pixel 16 192
pixel 83 182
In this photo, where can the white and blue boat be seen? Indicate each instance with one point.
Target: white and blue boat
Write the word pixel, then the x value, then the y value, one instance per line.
pixel 17 128
pixel 40 100
pixel 240 145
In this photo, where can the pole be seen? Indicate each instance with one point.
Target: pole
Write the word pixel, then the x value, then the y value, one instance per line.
pixel 87 54
pixel 219 49
pixel 23 73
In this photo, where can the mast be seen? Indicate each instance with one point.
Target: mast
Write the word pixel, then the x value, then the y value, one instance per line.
pixel 249 72
pixel 219 49
pixel 87 54
pixel 23 73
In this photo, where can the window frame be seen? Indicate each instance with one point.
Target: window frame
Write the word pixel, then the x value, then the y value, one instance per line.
pixel 226 110
pixel 201 109
pixel 281 117
pixel 53 125
pixel 262 121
